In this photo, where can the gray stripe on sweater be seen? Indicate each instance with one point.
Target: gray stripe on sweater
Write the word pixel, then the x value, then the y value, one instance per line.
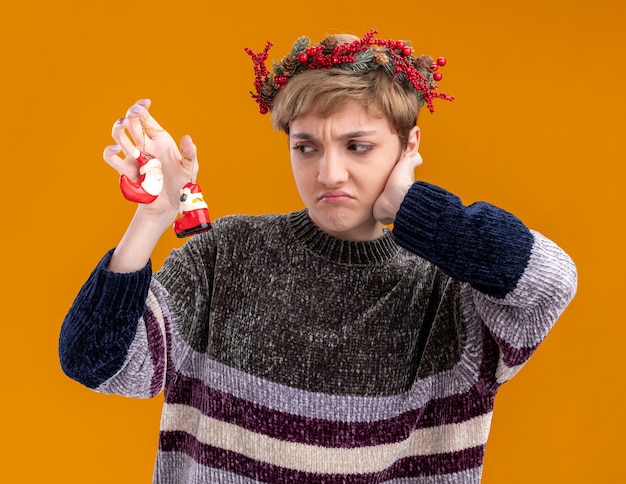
pixel 135 377
pixel 187 470
pixel 524 317
pixel 177 467
pixel 464 477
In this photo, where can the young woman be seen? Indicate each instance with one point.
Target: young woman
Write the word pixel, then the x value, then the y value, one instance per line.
pixel 319 346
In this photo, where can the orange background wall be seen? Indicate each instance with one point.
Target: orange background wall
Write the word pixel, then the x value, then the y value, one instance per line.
pixel 537 128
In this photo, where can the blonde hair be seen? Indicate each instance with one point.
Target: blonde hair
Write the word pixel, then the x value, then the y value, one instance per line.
pixel 324 92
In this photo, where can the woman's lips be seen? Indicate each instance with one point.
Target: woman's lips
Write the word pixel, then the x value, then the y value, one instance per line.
pixel 335 196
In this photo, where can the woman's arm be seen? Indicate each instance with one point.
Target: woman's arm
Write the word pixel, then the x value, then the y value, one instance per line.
pixel 103 323
pixel 118 324
pixel 518 282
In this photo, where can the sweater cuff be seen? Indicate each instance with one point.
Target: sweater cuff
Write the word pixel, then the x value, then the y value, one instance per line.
pixel 121 292
pixel 416 223
pixel 480 244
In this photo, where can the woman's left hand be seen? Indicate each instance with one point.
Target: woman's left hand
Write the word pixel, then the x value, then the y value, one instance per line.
pixel 398 184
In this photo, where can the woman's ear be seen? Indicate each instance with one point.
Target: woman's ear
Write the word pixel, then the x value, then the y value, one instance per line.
pixel 413 142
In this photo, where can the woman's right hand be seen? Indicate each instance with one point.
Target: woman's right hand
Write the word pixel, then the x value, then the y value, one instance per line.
pixel 139 131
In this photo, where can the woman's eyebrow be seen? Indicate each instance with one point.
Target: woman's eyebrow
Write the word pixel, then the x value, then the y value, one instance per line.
pixel 352 134
pixel 356 134
pixel 303 136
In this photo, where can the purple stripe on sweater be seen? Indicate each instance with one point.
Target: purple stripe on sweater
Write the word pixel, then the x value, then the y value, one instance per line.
pixel 437 464
pixel 290 427
pixel 416 466
pixel 514 356
pixel 456 409
pixel 161 295
pixel 156 348
pixel 327 433
pixel 487 381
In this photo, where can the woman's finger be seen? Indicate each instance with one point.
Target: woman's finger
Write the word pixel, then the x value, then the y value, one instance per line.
pixel 190 156
pixel 124 165
pixel 146 103
pixel 142 125
pixel 118 132
pixel 409 163
pixel 135 123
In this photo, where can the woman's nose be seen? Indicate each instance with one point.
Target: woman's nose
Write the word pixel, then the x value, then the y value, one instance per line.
pixel 332 171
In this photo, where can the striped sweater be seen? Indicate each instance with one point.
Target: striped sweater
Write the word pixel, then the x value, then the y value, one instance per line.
pixel 286 355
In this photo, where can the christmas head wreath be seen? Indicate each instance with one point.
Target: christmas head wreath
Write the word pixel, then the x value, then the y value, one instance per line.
pixel 365 54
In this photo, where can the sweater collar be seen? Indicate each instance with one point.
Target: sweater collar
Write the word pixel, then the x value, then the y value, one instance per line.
pixel 341 251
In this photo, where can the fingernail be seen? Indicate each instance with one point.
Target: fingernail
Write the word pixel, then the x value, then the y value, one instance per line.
pixel 137 109
pixel 121 120
pixel 142 101
pixel 115 148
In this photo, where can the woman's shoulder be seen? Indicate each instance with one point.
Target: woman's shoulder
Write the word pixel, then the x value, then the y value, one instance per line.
pixel 240 226
pixel 240 229
pixel 249 222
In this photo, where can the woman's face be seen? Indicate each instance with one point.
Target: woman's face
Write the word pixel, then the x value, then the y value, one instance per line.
pixel 341 165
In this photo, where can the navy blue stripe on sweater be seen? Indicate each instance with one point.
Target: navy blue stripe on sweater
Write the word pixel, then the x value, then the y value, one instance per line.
pixel 102 322
pixel 480 244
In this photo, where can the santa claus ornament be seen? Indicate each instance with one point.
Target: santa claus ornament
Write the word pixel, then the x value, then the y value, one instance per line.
pixel 194 210
pixel 150 183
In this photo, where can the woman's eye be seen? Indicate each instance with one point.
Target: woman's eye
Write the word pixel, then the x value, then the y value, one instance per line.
pixel 359 148
pixel 303 148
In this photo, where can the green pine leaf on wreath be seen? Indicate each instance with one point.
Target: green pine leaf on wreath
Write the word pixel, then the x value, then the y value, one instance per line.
pixel 364 57
pixel 300 46
pixel 362 61
pixel 276 68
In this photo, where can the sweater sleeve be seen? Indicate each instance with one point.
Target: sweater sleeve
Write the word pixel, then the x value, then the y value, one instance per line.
pixel 518 282
pixel 479 244
pixel 113 338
